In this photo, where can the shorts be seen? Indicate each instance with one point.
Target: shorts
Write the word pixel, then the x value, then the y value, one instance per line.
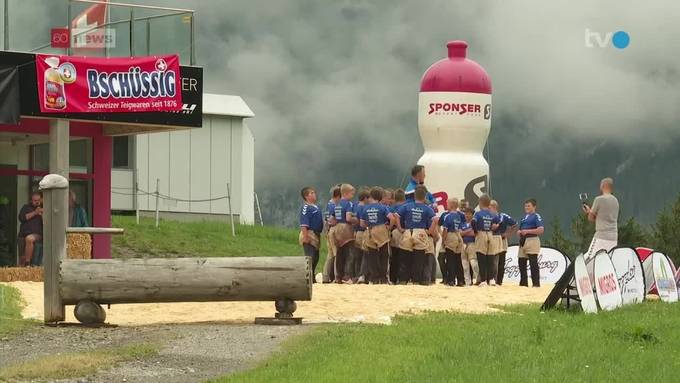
pixel 396 238
pixel 344 234
pixel 598 244
pixel 497 244
pixel 532 246
pixel 486 243
pixel 314 239
pixel 330 240
pixel 454 242
pixel 430 246
pixel 504 244
pixel 415 239
pixel 378 236
pixel 360 238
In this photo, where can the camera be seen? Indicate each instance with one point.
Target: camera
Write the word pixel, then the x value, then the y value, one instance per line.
pixel 584 199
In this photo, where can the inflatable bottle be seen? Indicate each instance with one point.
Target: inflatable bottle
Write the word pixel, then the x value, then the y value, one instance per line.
pixel 55 96
pixel 454 120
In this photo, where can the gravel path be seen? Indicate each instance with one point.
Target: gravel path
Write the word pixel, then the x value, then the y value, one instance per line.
pixel 187 352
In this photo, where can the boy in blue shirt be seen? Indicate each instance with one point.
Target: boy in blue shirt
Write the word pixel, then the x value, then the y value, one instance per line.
pixel 377 218
pixel 419 226
pixel 530 228
pixel 311 226
pixel 344 232
pixel 483 223
pixel 357 260
pixel 452 242
pixel 505 227
pixel 329 266
pixel 469 256
pixel 395 251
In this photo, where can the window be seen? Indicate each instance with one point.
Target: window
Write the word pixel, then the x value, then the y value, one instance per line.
pixel 122 148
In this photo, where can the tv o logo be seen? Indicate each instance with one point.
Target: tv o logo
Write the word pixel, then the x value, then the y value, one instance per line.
pixel 619 39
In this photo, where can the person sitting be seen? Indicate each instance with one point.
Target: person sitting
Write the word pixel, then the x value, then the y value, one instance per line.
pixel 30 230
pixel 77 217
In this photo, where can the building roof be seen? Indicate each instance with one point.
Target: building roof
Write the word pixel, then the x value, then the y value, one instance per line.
pixel 225 105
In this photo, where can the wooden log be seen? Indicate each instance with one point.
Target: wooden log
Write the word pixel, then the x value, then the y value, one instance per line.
pixel 140 280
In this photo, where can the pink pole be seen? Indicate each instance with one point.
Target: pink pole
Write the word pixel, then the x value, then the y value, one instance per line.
pixel 101 194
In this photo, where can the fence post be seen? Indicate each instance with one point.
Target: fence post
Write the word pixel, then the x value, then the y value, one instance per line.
pixel 231 216
pixel 55 221
pixel 158 181
pixel 136 196
pixel 259 211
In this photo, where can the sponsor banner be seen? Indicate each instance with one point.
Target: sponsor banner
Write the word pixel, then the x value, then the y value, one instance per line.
pixel 583 286
pixel 606 282
pixel 454 109
pixel 70 84
pixel 629 273
pixel 664 278
pixel 551 262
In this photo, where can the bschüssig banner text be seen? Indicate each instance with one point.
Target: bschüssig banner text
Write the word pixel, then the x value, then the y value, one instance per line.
pixel 69 84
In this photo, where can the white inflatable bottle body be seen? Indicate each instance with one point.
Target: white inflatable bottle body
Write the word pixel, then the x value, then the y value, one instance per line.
pixel 454 120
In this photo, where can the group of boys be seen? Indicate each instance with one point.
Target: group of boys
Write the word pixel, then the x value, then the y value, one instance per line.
pixel 384 238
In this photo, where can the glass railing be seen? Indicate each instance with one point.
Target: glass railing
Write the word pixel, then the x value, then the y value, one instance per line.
pixel 97 28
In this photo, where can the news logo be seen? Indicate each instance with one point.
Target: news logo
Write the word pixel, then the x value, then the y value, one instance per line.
pixel 618 39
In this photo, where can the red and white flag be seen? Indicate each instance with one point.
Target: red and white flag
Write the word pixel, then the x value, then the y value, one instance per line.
pixel 89 31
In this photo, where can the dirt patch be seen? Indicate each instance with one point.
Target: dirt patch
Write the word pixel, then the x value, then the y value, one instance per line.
pixel 187 353
pixel 330 303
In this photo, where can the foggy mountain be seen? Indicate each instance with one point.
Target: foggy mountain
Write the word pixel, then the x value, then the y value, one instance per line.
pixel 334 86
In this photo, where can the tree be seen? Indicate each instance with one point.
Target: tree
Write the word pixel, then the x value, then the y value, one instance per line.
pixel 666 232
pixel 559 240
pixel 583 231
pixel 632 234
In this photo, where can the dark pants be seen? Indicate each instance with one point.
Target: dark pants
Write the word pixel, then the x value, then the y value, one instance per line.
pixel 355 263
pixel 454 266
pixel 501 268
pixel 443 267
pixel 483 262
pixel 492 262
pixel 313 253
pixel 394 264
pixel 430 270
pixel 418 267
pixel 405 266
pixel 344 253
pixel 533 264
pixel 383 262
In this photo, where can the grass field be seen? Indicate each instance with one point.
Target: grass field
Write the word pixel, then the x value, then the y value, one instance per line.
pixel 205 239
pixel 634 344
pixel 10 311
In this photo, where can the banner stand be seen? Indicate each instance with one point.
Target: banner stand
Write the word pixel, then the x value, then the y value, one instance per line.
pixel 565 288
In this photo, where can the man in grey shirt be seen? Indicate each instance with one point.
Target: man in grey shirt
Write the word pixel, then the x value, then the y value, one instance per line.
pixel 605 214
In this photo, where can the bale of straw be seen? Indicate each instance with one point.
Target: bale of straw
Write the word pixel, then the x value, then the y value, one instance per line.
pixel 79 246
pixel 24 274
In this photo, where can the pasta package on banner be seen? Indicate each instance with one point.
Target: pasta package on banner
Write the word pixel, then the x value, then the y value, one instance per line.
pixel 69 84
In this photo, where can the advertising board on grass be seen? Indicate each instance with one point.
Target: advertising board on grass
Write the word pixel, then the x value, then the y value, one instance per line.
pixel 629 273
pixel 606 282
pixel 583 286
pixel 552 263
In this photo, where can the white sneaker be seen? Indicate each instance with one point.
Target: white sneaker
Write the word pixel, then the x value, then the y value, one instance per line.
pixel 483 284
pixel 492 283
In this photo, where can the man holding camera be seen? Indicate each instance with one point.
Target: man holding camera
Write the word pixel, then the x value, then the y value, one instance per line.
pixel 605 214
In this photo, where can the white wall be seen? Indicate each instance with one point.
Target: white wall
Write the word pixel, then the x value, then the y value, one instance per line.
pixel 197 164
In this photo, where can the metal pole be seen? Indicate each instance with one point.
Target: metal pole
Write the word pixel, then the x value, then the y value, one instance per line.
pixel 69 21
pixel 231 216
pixel 158 181
pixel 136 196
pixel 148 37
pixel 192 54
pixel 6 26
pixel 132 31
pixel 259 211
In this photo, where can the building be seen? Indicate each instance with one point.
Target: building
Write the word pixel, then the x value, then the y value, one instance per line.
pixel 192 167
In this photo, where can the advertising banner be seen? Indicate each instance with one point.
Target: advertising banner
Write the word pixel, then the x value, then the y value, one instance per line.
pixel 583 286
pixel 70 84
pixel 664 278
pixel 551 263
pixel 630 274
pixel 606 283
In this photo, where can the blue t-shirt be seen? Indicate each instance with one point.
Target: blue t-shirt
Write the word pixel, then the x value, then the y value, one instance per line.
pixel 358 211
pixel 341 209
pixel 410 192
pixel 531 221
pixel 330 211
pixel 310 217
pixel 453 221
pixel 396 207
pixel 467 226
pixel 483 220
pixel 506 222
pixel 375 214
pixel 416 215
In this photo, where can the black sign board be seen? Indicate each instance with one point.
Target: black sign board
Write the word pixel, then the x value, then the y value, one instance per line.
pixel 192 98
